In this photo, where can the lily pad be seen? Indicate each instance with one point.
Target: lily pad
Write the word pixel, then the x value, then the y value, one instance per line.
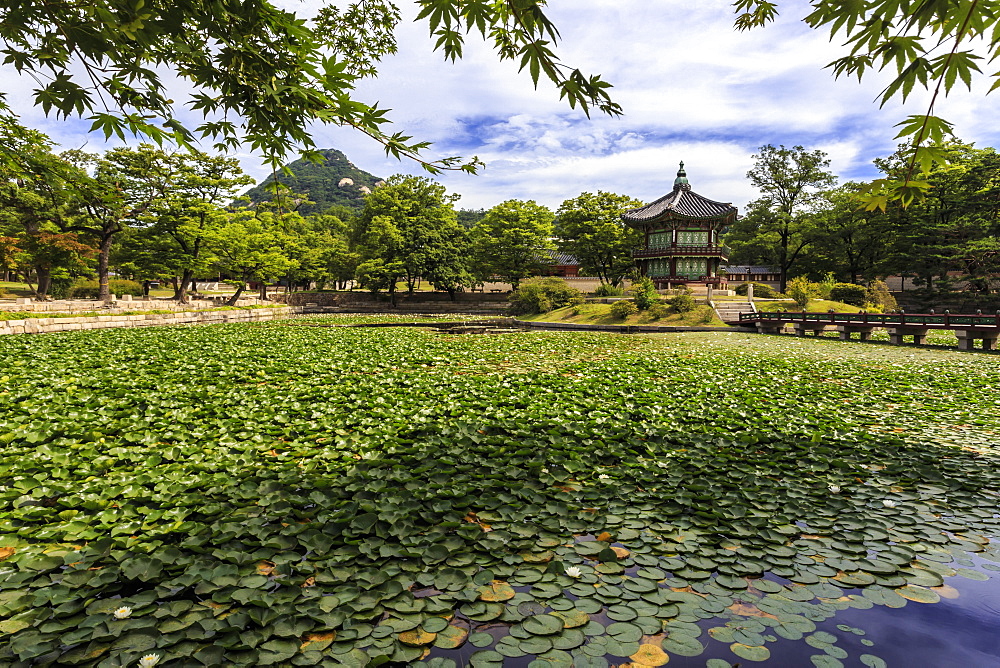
pixel 649 655
pixel 750 652
pixel 543 624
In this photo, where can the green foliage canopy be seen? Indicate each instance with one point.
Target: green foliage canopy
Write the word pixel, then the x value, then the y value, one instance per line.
pixel 409 232
pixel 590 228
pixel 932 44
pixel 262 75
pixel 513 241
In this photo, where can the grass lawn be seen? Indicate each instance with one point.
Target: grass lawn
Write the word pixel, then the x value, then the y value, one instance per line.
pixel 815 306
pixel 11 289
pixel 266 494
pixel 600 314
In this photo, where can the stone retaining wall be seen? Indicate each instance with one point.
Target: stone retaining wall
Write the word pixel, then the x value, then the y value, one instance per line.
pixel 47 325
pixel 137 304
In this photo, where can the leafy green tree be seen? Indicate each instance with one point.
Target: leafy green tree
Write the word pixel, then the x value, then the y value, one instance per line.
pixel 956 227
pixel 262 75
pixel 198 187
pixel 250 246
pixel 38 202
pixel 590 228
pixel 513 241
pixel 932 44
pixel 338 228
pixel 781 223
pixel 409 226
pixel 848 239
pixel 116 191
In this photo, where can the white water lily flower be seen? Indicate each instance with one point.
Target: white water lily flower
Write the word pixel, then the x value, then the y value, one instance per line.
pixel 149 660
pixel 545 470
pixel 888 503
pixel 834 488
pixel 603 476
pixel 123 612
pixel 574 571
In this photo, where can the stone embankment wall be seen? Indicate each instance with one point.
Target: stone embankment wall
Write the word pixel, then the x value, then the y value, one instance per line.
pixel 47 325
pixel 137 304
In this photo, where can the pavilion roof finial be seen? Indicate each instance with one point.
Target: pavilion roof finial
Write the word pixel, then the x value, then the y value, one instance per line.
pixel 681 180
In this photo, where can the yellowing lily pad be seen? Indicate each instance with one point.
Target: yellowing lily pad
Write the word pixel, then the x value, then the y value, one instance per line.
pixel 650 655
pixel 538 557
pixel 946 591
pixel 451 638
pixel 572 618
pixel 417 637
pixel 318 641
pixel 496 591
pixel 918 594
pixel 13 625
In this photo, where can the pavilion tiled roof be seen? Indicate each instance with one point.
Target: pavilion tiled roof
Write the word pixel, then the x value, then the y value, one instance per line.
pixel 681 201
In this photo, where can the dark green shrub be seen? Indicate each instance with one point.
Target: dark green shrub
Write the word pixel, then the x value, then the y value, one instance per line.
pixel 644 293
pixel 61 285
pixel 623 309
pixel 762 290
pixel 849 293
pixel 608 290
pixel 541 295
pixel 682 302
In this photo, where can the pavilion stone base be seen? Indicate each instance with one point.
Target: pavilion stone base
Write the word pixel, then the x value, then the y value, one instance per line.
pixel 864 332
pixel 896 335
pixel 967 338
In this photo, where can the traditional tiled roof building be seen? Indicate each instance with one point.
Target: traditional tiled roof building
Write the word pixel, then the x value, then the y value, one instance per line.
pixel 681 236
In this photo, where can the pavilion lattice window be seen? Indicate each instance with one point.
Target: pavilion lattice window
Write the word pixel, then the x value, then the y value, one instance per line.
pixel 691 267
pixel 659 267
pixel 692 238
pixel 659 240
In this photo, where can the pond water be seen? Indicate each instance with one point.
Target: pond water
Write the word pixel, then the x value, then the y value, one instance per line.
pixel 958 631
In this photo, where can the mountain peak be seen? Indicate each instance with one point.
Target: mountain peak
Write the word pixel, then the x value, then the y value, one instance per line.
pixel 335 181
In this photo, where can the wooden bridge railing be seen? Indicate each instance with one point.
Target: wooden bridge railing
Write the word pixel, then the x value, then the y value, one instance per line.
pixel 929 320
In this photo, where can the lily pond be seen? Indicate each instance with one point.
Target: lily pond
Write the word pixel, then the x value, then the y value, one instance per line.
pixel 285 495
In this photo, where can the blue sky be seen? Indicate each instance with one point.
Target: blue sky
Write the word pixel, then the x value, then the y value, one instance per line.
pixel 692 88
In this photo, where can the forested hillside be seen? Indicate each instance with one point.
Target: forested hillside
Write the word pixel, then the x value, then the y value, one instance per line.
pixel 336 181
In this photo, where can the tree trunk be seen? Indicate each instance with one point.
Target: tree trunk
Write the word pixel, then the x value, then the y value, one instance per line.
pixel 263 291
pixel 181 294
pixel 236 295
pixel 103 256
pixel 44 276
